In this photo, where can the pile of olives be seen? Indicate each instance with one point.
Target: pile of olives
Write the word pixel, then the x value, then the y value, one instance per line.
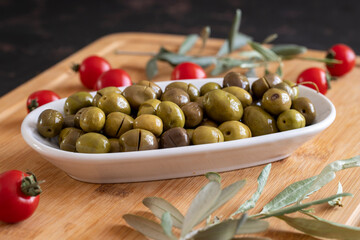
pixel 144 117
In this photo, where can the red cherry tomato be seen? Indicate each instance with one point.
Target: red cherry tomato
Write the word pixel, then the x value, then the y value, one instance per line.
pixel 91 69
pixel 18 200
pixel 344 54
pixel 315 75
pixel 187 70
pixel 39 98
pixel 113 78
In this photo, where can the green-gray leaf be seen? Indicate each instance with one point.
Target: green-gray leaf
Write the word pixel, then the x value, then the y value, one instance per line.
pixel 286 50
pixel 166 224
pixel 270 38
pixel 226 194
pixel 279 70
pixel 251 54
pixel 268 54
pixel 253 226
pixel 151 68
pixel 213 176
pixel 203 201
pixel 188 43
pixel 224 230
pixel 262 179
pixel 240 41
pixel 328 173
pixel 225 64
pixel 205 34
pixel 289 195
pixel 234 30
pixel 298 207
pixel 147 227
pixel 337 201
pixel 323 228
pixel 159 206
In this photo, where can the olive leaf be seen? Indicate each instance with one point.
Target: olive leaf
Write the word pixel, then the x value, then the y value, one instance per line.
pixel 251 54
pixel 253 226
pixel 151 68
pixel 288 50
pixel 159 206
pixel 188 43
pixel 262 179
pixel 239 41
pixel 268 54
pixel 337 201
pixel 205 34
pixel 270 38
pixel 251 73
pixel 289 195
pixel 224 230
pixel 226 194
pixel 301 206
pixel 225 64
pixel 203 201
pixel 279 70
pixel 323 228
pixel 166 224
pixel 234 30
pixel 147 227
pixel 328 173
pixel 213 176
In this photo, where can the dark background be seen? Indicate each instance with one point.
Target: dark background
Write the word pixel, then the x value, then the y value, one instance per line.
pixel 36 34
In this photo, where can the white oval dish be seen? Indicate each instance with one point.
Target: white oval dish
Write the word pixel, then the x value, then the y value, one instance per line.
pixel 181 161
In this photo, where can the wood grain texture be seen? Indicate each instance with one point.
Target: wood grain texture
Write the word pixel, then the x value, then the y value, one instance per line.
pixel 70 209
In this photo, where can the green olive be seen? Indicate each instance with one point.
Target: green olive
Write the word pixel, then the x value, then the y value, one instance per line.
pixel 92 143
pixel 158 91
pixel 50 123
pixel 222 106
pixel 208 122
pixel 236 79
pixel 171 115
pixel 290 119
pixel 104 91
pixel 206 134
pixel 294 87
pixel 77 101
pixel 92 119
pixel 149 107
pixel 306 108
pixel 193 92
pixel 114 145
pixel 193 114
pixel 176 95
pixel 200 101
pixel 137 140
pixel 190 133
pixel 77 117
pixel 234 130
pixel 182 85
pixel 68 138
pixel 137 94
pixel 292 92
pixel 117 123
pixel 259 121
pixel 276 101
pixel 69 121
pixel 241 94
pixel 149 122
pixel 207 87
pixel 114 102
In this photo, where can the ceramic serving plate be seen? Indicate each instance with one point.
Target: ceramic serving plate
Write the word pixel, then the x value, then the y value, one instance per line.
pixel 181 161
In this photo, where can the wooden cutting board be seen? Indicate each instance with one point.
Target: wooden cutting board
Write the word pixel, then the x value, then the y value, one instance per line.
pixel 70 209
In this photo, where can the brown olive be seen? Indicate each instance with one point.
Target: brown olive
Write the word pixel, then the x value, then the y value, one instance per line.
pixel 137 94
pixel 114 145
pixel 193 114
pixel 68 138
pixel 236 79
pixel 154 87
pixel 176 95
pixel 174 137
pixel 69 121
